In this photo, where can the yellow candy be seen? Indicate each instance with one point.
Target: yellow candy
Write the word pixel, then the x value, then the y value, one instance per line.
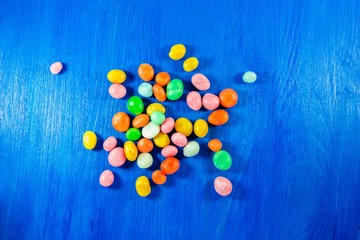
pixel 142 186
pixel 201 128
pixel 155 107
pixel 130 150
pixel 89 140
pixel 184 126
pixel 177 52
pixel 161 140
pixel 190 64
pixel 116 76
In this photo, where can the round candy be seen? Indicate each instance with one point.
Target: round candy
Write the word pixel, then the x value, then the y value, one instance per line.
pixel 190 64
pixel 158 177
pixel 135 105
pixel 200 81
pixel 222 160
pixel 184 126
pixel 169 151
pixel 157 117
pixel 168 125
pixel 131 151
pixel 117 91
pixel 210 101
pixel 121 122
pixel 56 68
pixel 159 92
pixel 109 144
pixel 116 76
pixel 150 130
pixel 145 145
pixel 89 140
pixel 179 139
pixel 155 107
pixel 228 98
pixel 106 178
pixel 144 160
pixel 193 100
pixel 170 165
pixel 146 72
pixel 249 77
pixel 174 89
pixel 201 128
pixel 218 117
pixel 133 134
pixel 117 157
pixel 161 140
pixel 215 145
pixel 142 186
pixel 223 186
pixel 191 149
pixel 145 90
pixel 177 52
pixel 162 78
pixel 140 120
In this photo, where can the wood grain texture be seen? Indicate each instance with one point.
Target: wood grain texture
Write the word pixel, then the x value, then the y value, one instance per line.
pixel 294 136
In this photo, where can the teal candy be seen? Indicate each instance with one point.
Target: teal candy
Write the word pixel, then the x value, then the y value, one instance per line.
pixel 135 105
pixel 145 90
pixel 222 160
pixel 133 134
pixel 157 117
pixel 174 89
pixel 249 77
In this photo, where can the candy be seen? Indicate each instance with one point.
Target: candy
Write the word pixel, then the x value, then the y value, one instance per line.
pixel 174 89
pixel 89 140
pixel 179 139
pixel 170 165
pixel 116 76
pixel 218 117
pixel 162 78
pixel 184 126
pixel 150 130
pixel 190 64
pixel 228 98
pixel 223 186
pixel 117 91
pixel 133 134
pixel 161 140
pixel 145 145
pixel 222 160
pixel 145 90
pixel 201 128
pixel 191 149
pixel 155 107
pixel 121 122
pixel 106 178
pixel 56 68
pixel 215 145
pixel 210 101
pixel 169 151
pixel 140 120
pixel 135 105
pixel 131 151
pixel 158 177
pixel 249 77
pixel 117 157
pixel 146 72
pixel 144 160
pixel 142 186
pixel 168 125
pixel 157 117
pixel 109 144
pixel 159 92
pixel 193 100
pixel 200 81
pixel 177 52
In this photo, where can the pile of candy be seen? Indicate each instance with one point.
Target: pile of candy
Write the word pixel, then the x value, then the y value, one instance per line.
pixel 154 127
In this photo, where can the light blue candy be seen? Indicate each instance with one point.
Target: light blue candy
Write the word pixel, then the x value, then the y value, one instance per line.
pixel 249 77
pixel 145 90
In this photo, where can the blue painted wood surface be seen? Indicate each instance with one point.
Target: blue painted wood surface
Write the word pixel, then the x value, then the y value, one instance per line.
pixel 294 136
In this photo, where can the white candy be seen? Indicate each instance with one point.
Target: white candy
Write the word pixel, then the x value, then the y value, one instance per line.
pixel 150 130
pixel 191 149
pixel 144 160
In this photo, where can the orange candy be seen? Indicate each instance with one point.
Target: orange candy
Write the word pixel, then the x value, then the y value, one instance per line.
pixel 158 177
pixel 121 121
pixel 146 72
pixel 140 120
pixel 162 78
pixel 218 117
pixel 159 92
pixel 228 98
pixel 170 165
pixel 215 145
pixel 145 145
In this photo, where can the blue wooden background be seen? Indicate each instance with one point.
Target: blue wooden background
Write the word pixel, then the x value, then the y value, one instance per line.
pixel 294 136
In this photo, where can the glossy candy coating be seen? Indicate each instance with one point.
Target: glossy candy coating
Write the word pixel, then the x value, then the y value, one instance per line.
pixel 193 100
pixel 218 117
pixel 249 77
pixel 191 149
pixel 177 52
pixel 116 76
pixel 145 89
pixel 159 92
pixel 168 125
pixel 146 72
pixel 144 160
pixel 133 134
pixel 135 105
pixel 228 98
pixel 110 143
pixel 56 68
pixel 222 160
pixel 210 101
pixel 184 126
pixel 162 78
pixel 106 178
pixel 131 151
pixel 161 140
pixel 155 107
pixel 223 186
pixel 215 145
pixel 179 139
pixel 174 89
pixel 142 186
pixel 117 157
pixel 200 81
pixel 89 140
pixel 121 122
pixel 157 117
pixel 140 120
pixel 117 90
pixel 190 64
pixel 145 145
pixel 150 130
pixel 158 177
pixel 201 128
pixel 170 165
pixel 169 151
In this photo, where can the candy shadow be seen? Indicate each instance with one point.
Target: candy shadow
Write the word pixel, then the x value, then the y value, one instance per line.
pixel 155 191
pixel 238 191
pixel 64 68
pixel 99 143
pixel 117 182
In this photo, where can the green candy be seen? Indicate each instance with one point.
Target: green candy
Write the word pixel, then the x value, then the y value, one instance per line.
pixel 135 105
pixel 249 77
pixel 222 160
pixel 174 89
pixel 133 134
pixel 157 117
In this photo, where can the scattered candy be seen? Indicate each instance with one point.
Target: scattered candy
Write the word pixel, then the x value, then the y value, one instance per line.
pixel 133 134
pixel 222 186
pixel 121 122
pixel 169 151
pixel 142 186
pixel 210 101
pixel 201 128
pixel 135 105
pixel 161 140
pixel 215 145
pixel 144 160
pixel 249 77
pixel 170 165
pixel 162 78
pixel 131 151
pixel 177 52
pixel 155 107
pixel 174 89
pixel 193 100
pixel 218 117
pixel 146 72
pixel 159 92
pixel 158 177
pixel 106 178
pixel 179 139
pixel 200 81
pixel 117 157
pixel 157 117
pixel 222 160
pixel 191 149
pixel 140 120
pixel 150 130
pixel 109 144
pixel 117 91
pixel 56 68
pixel 116 76
pixel 190 64
pixel 145 89
pixel 145 145
pixel 228 98
pixel 168 125
pixel 184 126
pixel 89 140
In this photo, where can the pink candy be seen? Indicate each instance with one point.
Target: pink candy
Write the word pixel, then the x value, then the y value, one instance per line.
pixel 117 90
pixel 169 151
pixel 168 125
pixel 106 178
pixel 109 144
pixel 222 186
pixel 193 100
pixel 210 101
pixel 117 157
pixel 179 139
pixel 200 81
pixel 56 67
